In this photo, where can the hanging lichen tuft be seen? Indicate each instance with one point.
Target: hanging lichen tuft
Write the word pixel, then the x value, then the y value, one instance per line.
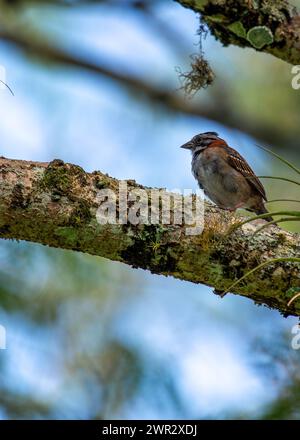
pixel 200 75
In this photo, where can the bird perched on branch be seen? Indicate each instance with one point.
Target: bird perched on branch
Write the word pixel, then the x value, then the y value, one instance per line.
pixel 224 174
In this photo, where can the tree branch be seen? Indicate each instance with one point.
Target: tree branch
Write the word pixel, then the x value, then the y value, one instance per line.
pixel 268 26
pixel 55 204
pixel 220 112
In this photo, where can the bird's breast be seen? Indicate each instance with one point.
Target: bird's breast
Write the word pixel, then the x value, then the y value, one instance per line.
pixel 220 182
pixel 206 167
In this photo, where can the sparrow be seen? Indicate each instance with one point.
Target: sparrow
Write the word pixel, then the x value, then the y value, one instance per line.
pixel 224 175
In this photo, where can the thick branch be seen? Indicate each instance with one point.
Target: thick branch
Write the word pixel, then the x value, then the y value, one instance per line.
pixel 220 112
pixel 270 26
pixel 55 204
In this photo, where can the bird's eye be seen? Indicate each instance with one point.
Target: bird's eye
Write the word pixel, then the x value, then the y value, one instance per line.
pixel 196 138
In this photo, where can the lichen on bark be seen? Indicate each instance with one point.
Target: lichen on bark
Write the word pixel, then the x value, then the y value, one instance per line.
pixel 55 204
pixel 268 25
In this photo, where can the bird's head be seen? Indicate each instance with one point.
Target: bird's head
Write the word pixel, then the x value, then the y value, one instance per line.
pixel 201 141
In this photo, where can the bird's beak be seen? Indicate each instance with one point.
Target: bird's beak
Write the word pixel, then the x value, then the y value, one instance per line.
pixel 188 145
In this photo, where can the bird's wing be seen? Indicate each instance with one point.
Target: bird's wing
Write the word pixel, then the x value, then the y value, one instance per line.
pixel 239 163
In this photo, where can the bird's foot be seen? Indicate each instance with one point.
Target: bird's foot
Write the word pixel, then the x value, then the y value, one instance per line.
pixel 232 209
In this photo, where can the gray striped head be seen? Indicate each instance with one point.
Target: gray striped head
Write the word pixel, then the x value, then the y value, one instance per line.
pixel 201 141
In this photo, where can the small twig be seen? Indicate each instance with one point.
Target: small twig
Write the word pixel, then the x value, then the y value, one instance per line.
pixel 260 266
pixel 285 179
pixel 275 222
pixel 263 216
pixel 293 299
pixel 283 200
pixel 7 87
pixel 285 161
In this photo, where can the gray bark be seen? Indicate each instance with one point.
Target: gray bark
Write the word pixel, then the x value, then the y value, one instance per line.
pixel 55 204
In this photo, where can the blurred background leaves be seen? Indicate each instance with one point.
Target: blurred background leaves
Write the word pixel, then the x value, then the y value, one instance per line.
pixel 96 84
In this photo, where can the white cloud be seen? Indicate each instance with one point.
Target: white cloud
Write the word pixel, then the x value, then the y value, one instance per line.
pixel 215 377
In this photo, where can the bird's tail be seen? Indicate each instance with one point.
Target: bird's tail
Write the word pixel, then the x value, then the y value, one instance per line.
pixel 262 210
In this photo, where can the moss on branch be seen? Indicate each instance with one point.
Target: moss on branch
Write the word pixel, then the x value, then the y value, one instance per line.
pixel 56 203
pixel 270 26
